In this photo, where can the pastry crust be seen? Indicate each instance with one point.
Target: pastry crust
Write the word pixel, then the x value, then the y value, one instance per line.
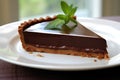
pixel 31 48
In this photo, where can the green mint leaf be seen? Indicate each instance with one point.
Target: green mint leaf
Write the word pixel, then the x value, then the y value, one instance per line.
pixel 62 21
pixel 72 12
pixel 67 19
pixel 61 16
pixel 71 6
pixel 69 10
pixel 55 25
pixel 65 7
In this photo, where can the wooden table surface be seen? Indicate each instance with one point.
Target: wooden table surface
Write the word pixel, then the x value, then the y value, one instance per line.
pixel 10 71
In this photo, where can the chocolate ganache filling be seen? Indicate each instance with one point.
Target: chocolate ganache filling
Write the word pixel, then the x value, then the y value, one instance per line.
pixel 81 39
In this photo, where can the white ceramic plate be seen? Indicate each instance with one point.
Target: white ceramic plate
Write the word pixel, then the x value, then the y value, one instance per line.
pixel 11 49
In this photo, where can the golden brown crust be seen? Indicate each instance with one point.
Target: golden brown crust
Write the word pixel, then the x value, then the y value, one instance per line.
pixel 30 48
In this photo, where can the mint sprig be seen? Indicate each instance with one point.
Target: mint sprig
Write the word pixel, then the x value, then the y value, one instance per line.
pixel 62 20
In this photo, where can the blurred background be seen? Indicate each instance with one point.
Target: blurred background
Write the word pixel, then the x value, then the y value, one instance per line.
pixel 14 10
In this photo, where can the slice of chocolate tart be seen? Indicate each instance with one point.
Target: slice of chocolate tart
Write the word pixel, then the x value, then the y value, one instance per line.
pixel 80 42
